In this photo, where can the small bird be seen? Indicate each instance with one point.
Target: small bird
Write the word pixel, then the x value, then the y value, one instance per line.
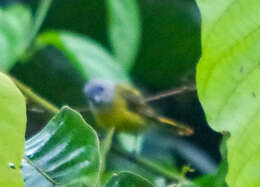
pixel 123 107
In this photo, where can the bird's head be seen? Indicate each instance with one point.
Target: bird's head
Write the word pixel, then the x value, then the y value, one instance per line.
pixel 100 93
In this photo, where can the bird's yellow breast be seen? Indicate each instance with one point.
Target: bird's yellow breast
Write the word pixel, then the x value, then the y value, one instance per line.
pixel 120 116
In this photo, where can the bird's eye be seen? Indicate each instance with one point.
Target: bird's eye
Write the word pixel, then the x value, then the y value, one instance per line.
pixel 97 95
pixel 98 90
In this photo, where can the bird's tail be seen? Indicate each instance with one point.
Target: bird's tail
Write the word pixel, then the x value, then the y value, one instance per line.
pixel 182 129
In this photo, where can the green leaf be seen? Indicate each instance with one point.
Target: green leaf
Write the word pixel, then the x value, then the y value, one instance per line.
pixel 12 132
pixel 227 81
pixel 15 28
pixel 86 55
pixel 124 30
pixel 66 150
pixel 125 179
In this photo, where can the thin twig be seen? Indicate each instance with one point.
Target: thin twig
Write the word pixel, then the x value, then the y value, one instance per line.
pixel 105 147
pixel 169 93
pixel 43 173
pixel 148 165
pixel 39 18
pixel 83 109
pixel 36 98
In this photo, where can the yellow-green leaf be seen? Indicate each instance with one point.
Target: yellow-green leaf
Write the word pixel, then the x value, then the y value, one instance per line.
pixel 12 132
pixel 227 80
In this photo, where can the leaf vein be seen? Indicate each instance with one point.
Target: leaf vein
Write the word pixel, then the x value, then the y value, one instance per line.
pixel 221 59
pixel 221 16
pixel 242 134
pixel 227 99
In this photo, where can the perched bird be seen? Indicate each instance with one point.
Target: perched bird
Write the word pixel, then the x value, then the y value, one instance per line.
pixel 123 107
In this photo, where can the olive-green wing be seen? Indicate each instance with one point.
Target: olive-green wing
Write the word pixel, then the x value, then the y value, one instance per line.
pixel 135 101
pixel 137 104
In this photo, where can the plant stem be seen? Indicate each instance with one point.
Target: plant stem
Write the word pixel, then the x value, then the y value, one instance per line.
pixel 43 173
pixel 105 147
pixel 36 98
pixel 149 165
pixel 39 17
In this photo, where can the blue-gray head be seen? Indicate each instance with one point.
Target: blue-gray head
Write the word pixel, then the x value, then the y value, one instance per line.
pixel 99 92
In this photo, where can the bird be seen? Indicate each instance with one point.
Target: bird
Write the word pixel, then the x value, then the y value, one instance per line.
pixel 123 107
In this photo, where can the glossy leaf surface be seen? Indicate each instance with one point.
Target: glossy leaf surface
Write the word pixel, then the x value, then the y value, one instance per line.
pixel 67 150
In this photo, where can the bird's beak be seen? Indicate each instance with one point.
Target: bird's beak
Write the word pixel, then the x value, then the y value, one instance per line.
pixel 96 99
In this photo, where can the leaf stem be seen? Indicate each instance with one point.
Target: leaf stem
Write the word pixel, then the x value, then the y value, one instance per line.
pixel 36 98
pixel 105 147
pixel 39 17
pixel 41 171
pixel 149 165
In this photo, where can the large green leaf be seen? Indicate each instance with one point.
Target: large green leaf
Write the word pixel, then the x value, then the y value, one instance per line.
pixel 15 27
pixel 12 132
pixel 67 150
pixel 125 179
pixel 227 81
pixel 124 30
pixel 86 55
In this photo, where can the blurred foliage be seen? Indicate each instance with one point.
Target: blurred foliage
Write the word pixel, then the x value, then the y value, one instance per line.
pixel 170 39
pixel 15 26
pixel 128 179
pixel 170 36
pixel 124 30
pixel 90 59
pixel 217 179
pixel 170 43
